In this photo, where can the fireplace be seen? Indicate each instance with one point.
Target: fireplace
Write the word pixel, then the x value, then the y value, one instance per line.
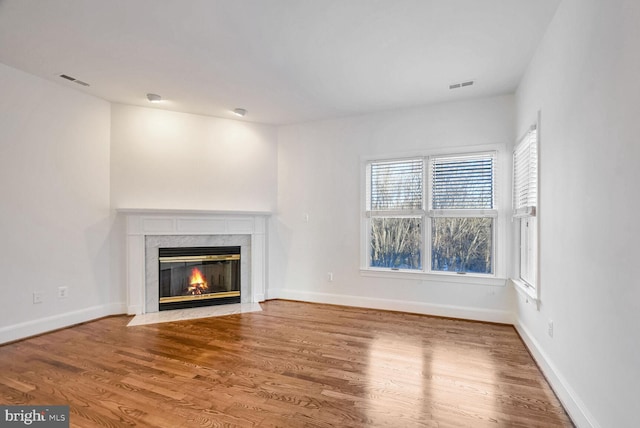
pixel 148 230
pixel 198 276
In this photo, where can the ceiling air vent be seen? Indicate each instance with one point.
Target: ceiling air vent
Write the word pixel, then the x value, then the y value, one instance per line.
pixel 74 80
pixel 461 84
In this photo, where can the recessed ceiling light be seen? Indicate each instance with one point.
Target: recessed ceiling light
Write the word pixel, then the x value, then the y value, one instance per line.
pixel 239 112
pixel 154 98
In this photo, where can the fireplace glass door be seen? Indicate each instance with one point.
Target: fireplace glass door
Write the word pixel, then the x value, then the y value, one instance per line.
pixel 199 276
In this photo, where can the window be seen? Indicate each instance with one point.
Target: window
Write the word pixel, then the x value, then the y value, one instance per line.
pixel 395 209
pixel 525 202
pixel 432 214
pixel 462 213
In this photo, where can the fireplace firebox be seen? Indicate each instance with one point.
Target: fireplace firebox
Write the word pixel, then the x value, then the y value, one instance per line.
pixel 198 276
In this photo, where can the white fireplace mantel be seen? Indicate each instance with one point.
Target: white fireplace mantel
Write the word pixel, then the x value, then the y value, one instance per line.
pixel 155 222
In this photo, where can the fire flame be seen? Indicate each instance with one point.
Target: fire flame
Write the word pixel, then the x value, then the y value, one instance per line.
pixel 197 283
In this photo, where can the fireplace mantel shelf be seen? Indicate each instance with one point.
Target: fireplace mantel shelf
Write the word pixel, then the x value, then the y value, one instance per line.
pixel 174 211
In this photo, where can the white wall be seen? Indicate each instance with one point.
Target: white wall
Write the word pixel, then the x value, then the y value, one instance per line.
pixel 319 175
pixel 584 79
pixel 169 160
pixel 54 217
pixel 163 159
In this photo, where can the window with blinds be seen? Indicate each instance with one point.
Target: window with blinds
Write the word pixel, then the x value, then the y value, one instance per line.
pixel 525 201
pixel 395 208
pixel 460 223
pixel 462 182
pixel 462 202
pixel 525 175
pixel 396 185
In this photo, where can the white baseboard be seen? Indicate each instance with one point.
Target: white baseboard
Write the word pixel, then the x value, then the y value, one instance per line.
pixel 568 397
pixel 272 294
pixel 43 325
pixel 505 317
pixel 134 310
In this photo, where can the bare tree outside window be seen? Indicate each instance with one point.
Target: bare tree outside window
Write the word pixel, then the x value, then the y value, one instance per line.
pixel 461 244
pixel 396 243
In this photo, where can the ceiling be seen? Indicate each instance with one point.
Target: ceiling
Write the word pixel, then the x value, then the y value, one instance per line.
pixel 285 61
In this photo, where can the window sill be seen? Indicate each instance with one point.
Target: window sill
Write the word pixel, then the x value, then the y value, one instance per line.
pixel 525 289
pixel 469 279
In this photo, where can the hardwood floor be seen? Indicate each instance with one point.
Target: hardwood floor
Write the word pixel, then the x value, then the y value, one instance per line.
pixel 292 365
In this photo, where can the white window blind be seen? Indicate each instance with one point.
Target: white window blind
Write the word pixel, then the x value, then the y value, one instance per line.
pixel 463 182
pixel 396 185
pixel 525 175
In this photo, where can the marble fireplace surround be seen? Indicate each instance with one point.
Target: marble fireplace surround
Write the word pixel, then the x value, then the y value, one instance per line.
pixel 149 229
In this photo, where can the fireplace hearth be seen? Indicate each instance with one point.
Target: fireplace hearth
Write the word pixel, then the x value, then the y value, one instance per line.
pixel 198 276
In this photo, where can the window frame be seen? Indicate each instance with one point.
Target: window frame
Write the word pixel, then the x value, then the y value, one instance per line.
pixel 527 260
pixel 462 212
pixel 499 213
pixel 400 213
pixel 526 235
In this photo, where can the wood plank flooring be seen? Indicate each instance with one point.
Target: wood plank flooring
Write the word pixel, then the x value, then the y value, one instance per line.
pixel 292 365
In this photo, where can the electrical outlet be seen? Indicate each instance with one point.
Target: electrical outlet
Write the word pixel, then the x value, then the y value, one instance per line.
pixel 38 297
pixel 63 292
pixel 330 276
pixel 550 328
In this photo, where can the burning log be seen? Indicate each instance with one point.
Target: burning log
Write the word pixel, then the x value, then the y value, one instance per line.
pixel 197 283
